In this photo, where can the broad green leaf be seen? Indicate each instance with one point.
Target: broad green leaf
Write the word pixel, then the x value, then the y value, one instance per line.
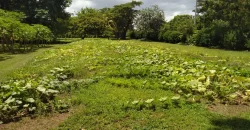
pixel 41 89
pixel 10 100
pixel 149 101
pixel 30 100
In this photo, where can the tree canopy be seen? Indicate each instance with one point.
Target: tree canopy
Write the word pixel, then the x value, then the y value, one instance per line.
pixel 148 21
pixel 12 31
pixel 226 24
pixel 45 12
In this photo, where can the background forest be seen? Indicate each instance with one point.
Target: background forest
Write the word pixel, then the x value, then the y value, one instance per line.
pixel 218 24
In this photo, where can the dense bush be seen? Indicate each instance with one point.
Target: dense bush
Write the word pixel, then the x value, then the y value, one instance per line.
pixel 220 35
pixel 136 35
pixel 172 36
pixel 203 38
pixel 12 30
pixel 153 36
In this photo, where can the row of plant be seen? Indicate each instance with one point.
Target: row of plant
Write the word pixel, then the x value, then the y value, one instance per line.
pixel 154 68
pixel 12 31
pixel 33 95
pixel 153 104
pixel 130 64
pixel 150 67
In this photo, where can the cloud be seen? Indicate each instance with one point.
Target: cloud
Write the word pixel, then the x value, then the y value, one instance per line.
pixel 170 7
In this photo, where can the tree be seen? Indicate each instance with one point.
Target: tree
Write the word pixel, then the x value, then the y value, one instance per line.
pixel 121 18
pixel 90 22
pixel 149 21
pixel 181 25
pixel 231 16
pixel 45 12
pixel 12 30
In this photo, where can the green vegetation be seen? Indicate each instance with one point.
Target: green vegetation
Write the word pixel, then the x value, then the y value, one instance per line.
pixel 227 29
pixel 45 12
pixel 148 22
pixel 32 95
pixel 104 22
pixel 11 62
pixel 126 84
pixel 122 83
pixel 14 32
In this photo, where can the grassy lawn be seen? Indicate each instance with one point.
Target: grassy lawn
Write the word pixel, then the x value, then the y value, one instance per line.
pixel 9 63
pixel 145 85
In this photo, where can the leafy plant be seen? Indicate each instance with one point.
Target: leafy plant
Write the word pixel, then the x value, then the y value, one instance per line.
pixel 32 95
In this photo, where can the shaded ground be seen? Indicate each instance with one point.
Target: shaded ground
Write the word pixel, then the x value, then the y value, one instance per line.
pixel 231 124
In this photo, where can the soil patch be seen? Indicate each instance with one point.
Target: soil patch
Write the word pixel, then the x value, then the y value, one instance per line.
pixel 229 110
pixel 39 123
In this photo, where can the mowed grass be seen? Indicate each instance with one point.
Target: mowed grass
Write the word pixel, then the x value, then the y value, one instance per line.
pixel 9 63
pixel 109 74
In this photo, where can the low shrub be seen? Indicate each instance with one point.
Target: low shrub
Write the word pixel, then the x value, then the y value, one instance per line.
pixel 33 95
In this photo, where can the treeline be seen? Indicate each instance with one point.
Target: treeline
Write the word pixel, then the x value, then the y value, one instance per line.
pixel 219 24
pixel 14 34
pixel 107 22
pixel 50 13
pixel 224 24
pixel 25 24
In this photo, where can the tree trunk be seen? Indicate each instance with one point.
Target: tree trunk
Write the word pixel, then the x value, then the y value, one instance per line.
pixel 123 35
pixel 2 41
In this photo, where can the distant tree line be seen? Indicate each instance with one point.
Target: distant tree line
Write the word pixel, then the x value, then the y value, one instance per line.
pixel 220 24
pixel 224 24
pixel 106 22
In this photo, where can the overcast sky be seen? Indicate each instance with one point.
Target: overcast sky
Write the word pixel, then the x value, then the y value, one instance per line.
pixel 170 7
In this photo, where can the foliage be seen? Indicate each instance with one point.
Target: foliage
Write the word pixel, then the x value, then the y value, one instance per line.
pixel 181 25
pixel 104 22
pixel 159 68
pixel 149 20
pixel 13 31
pixel 229 28
pixel 107 74
pixel 153 104
pixel 121 18
pixel 172 36
pixel 90 22
pixel 143 73
pixel 32 95
pixel 45 12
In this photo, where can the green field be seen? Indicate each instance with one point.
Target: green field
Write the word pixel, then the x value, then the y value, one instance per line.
pixel 144 85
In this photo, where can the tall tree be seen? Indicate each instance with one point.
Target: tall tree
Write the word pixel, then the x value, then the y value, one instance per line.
pixel 122 17
pixel 90 22
pixel 149 21
pixel 230 16
pixel 179 29
pixel 46 12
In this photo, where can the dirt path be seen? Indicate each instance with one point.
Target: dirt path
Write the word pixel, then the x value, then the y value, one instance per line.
pixel 40 123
